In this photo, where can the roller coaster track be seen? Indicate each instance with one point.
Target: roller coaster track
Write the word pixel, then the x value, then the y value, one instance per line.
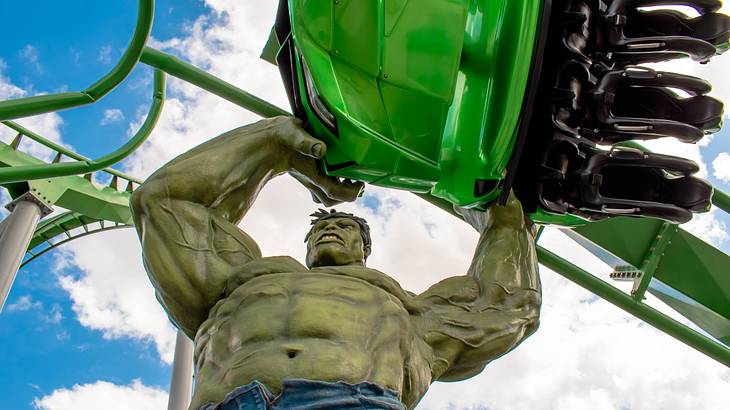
pixel 650 252
pixel 73 192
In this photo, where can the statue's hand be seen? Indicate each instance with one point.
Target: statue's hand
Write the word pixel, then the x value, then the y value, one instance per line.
pixel 508 215
pixel 302 153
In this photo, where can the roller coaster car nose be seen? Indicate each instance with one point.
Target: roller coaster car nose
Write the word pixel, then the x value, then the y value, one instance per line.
pixel 629 34
pixel 639 103
pixel 623 182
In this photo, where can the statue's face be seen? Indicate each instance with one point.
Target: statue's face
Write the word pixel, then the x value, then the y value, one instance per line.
pixel 336 242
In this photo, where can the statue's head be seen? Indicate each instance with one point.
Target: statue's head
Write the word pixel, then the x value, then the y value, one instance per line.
pixel 337 239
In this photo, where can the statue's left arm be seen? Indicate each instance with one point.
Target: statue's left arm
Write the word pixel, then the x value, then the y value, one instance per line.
pixel 470 320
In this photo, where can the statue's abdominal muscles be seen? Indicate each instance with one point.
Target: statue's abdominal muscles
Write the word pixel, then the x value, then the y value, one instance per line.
pixel 307 325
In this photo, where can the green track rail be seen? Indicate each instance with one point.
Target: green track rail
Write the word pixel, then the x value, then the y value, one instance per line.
pixel 83 165
pixel 77 193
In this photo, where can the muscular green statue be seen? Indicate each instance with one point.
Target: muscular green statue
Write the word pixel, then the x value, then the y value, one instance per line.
pixel 333 334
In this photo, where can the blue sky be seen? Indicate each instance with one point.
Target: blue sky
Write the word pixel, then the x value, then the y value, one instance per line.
pixel 47 344
pixel 67 46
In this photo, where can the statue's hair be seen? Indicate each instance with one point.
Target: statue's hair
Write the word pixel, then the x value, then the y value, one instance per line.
pixel 323 214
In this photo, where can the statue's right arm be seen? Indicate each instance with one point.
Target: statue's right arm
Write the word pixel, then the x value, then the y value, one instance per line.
pixel 186 213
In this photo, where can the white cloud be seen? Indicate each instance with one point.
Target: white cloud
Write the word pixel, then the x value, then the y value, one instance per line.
pixel 55 315
pixel 7 89
pixel 104 395
pixel 587 354
pixel 111 116
pixel 708 227
pixel 721 167
pixel 47 125
pixel 24 303
pixel 30 55
pixel 105 55
pixel 114 294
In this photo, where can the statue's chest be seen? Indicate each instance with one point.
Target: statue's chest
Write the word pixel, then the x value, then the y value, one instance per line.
pixel 305 288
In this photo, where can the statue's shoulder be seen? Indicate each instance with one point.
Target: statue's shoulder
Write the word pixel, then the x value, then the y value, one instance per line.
pixel 263 266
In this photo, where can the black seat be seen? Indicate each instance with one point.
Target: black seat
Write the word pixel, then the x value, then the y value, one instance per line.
pixel 700 111
pixel 630 35
pixel 713 28
pixel 584 180
pixel 639 103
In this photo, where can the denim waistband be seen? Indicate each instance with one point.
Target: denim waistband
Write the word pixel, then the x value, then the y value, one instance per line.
pixel 309 394
pixel 300 386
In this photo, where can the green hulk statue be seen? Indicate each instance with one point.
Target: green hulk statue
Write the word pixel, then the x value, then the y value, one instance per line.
pixel 272 333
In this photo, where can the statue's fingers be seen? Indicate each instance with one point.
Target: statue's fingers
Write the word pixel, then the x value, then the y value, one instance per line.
pixel 341 190
pixel 294 134
pixel 318 194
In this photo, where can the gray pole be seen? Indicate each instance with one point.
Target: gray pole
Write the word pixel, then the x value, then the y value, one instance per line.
pixel 15 233
pixel 182 373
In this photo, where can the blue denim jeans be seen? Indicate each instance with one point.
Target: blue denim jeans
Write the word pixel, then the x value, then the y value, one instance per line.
pixel 300 394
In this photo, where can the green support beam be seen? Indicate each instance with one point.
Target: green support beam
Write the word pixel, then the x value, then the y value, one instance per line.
pixel 71 192
pixel 652 258
pixel 721 200
pixel 24 107
pixel 188 72
pixel 640 310
pixel 61 150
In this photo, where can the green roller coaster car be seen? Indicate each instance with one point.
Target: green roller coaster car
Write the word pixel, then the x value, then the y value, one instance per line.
pixel 438 96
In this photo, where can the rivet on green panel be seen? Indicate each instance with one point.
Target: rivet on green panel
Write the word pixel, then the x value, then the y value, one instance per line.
pixel 318 15
pixel 362 98
pixel 422 53
pixel 357 32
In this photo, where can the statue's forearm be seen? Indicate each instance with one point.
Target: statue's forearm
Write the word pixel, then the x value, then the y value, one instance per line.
pixel 505 264
pixel 506 258
pixel 224 174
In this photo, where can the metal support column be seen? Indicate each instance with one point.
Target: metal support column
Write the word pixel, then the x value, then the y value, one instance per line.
pixel 15 233
pixel 182 373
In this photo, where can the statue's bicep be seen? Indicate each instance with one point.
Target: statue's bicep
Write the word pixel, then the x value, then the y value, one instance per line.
pixel 466 331
pixel 189 254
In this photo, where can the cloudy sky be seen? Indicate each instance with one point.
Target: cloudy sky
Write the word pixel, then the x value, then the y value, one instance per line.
pixel 82 330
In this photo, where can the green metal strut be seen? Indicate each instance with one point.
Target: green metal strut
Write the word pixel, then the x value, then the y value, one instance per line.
pixel 640 310
pixel 61 150
pixel 84 166
pixel 23 107
pixel 188 72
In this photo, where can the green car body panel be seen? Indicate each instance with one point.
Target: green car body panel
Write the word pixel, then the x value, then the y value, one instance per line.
pixel 427 95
